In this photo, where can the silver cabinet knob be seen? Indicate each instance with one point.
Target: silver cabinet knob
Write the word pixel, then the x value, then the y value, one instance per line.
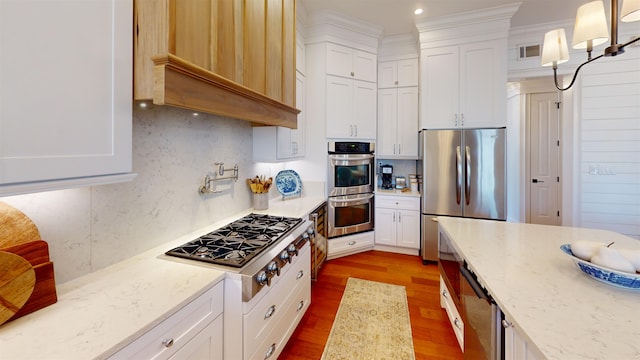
pixel 167 343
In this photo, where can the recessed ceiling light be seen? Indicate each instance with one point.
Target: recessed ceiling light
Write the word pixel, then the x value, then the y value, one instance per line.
pixel 418 11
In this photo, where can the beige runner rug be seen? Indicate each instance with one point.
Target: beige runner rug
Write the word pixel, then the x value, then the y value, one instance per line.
pixel 372 323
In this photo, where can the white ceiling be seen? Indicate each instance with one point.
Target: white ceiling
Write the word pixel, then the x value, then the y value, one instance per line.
pixel 396 16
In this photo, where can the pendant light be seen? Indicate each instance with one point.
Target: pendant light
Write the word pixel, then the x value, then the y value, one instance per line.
pixel 590 30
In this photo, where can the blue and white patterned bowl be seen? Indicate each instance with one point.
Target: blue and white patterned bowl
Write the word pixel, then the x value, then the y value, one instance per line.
pixel 606 275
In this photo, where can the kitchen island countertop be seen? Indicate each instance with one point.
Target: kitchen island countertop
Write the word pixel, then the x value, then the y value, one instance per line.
pixel 563 312
pixel 99 313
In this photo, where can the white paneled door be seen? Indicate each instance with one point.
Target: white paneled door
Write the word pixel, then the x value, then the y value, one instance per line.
pixel 544 162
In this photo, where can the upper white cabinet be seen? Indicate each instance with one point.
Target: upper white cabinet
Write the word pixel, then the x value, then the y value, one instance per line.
pixel 351 108
pixel 464 85
pixel 463 69
pixel 351 63
pixel 65 94
pixel 398 73
pixel 398 123
pixel 279 143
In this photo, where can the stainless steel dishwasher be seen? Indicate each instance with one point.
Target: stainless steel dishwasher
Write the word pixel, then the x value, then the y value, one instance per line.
pixel 483 331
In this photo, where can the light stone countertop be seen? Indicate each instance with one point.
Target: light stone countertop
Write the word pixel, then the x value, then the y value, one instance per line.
pixel 100 313
pixel 565 313
pixel 397 192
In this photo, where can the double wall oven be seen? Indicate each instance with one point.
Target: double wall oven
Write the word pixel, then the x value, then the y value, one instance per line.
pixel 351 185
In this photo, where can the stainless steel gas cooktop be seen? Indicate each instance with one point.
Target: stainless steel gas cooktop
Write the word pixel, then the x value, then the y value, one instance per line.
pixel 238 242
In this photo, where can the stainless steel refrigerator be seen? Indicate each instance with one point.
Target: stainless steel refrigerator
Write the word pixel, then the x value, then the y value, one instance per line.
pixel 463 175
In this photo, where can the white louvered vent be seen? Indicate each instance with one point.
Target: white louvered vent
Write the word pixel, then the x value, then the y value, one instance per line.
pixel 528 51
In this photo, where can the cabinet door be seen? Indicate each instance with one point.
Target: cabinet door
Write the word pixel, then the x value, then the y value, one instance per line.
pixel 439 82
pixel 65 91
pixel 387 74
pixel 364 110
pixel 407 72
pixel 407 124
pixel 339 107
pixel 385 232
pixel 483 82
pixel 387 122
pixel 207 345
pixel 408 229
pixel 290 142
pixel 365 67
pixel 339 60
pixel 517 347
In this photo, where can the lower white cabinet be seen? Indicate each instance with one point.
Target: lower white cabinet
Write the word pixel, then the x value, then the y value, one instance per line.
pixel 397 221
pixel 516 346
pixel 446 302
pixel 351 244
pixel 193 332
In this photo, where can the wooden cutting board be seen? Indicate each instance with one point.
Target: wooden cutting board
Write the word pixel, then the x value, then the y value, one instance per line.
pixel 44 291
pixel 15 226
pixel 17 280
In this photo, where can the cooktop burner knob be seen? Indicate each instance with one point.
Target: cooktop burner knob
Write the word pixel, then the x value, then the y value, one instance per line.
pixel 310 231
pixel 284 256
pixel 305 236
pixel 273 268
pixel 292 250
pixel 262 278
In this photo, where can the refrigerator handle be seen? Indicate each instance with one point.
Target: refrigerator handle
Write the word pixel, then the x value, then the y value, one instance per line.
pixel 467 178
pixel 458 175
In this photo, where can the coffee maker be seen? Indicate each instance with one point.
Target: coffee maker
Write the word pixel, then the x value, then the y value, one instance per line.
pixel 387 175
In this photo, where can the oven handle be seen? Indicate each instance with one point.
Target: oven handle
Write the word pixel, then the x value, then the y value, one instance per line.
pixel 352 199
pixel 350 157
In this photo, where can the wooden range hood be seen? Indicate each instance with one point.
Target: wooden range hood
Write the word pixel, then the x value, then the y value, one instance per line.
pixel 229 58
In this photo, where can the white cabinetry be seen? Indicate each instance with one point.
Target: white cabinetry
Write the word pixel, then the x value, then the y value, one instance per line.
pixel 398 123
pixel 270 320
pixel 65 94
pixel 397 221
pixel 351 63
pixel 464 85
pixel 455 319
pixel 398 73
pixel 463 69
pixel 194 332
pixel 346 245
pixel 278 143
pixel 351 108
pixel 516 346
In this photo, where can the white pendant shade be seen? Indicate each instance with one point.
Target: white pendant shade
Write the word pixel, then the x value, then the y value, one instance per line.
pixel 554 49
pixel 591 26
pixel 630 10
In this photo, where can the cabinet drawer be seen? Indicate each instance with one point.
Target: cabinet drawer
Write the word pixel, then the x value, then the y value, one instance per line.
pixel 349 244
pixel 452 312
pixel 261 320
pixel 293 310
pixel 398 202
pixel 178 329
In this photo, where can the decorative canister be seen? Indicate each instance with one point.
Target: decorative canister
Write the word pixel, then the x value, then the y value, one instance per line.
pixel 261 201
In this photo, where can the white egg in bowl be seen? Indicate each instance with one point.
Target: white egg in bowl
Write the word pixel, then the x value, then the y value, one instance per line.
pixel 606 275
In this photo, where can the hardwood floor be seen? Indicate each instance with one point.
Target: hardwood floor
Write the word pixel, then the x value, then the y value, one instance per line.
pixel 433 337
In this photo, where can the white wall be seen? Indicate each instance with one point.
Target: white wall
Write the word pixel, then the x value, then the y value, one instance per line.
pixel 90 228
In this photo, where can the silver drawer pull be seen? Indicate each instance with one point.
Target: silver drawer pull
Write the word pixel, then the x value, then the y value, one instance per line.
pixel 271 350
pixel 300 305
pixel 352 242
pixel 456 322
pixel 270 311
pixel 300 274
pixel 167 343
